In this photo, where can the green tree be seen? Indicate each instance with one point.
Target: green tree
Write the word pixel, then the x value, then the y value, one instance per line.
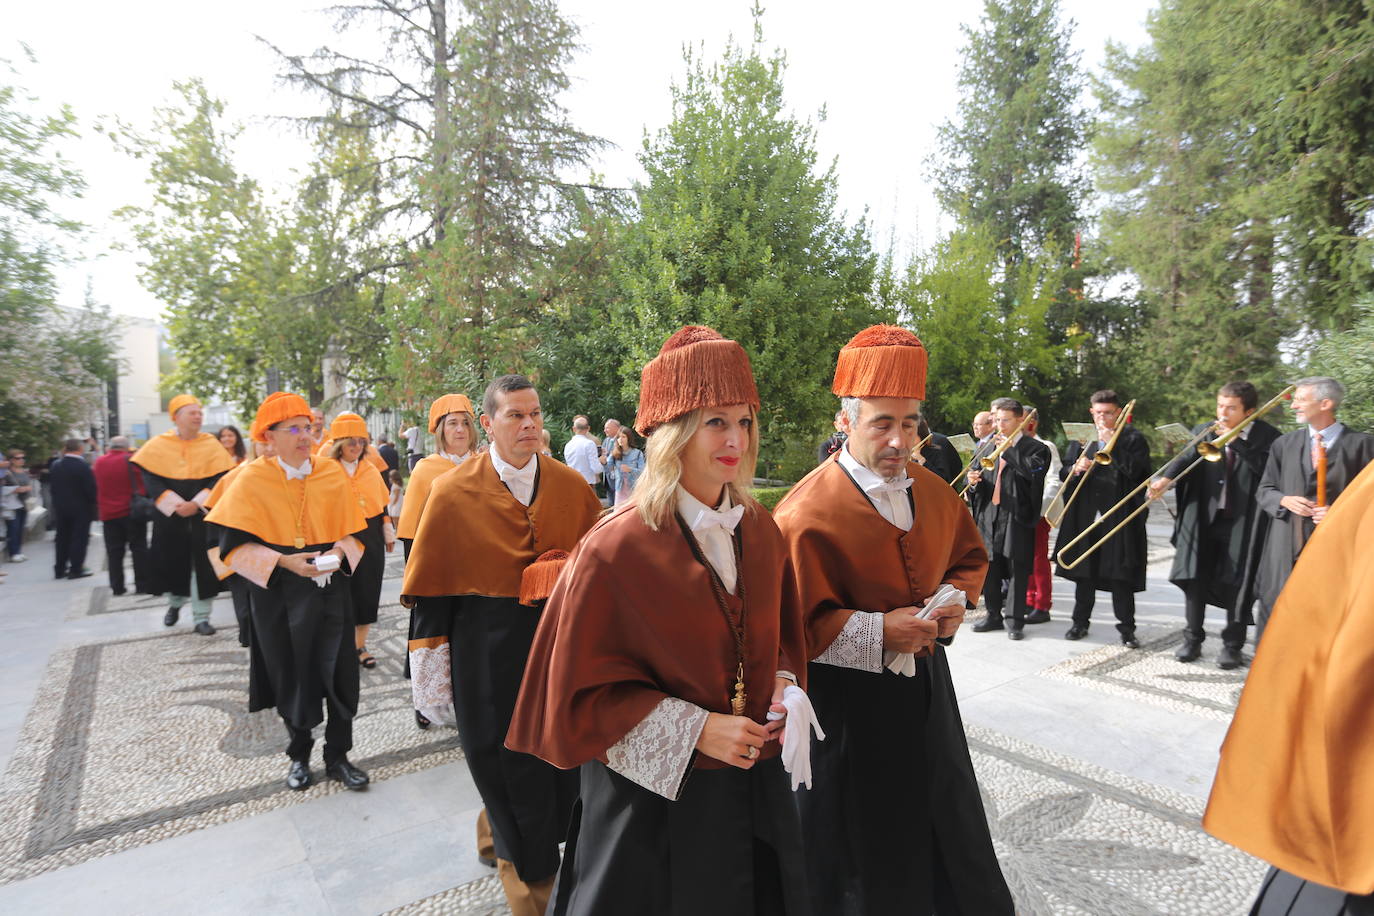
pixel 1349 357
pixel 738 230
pixel 56 362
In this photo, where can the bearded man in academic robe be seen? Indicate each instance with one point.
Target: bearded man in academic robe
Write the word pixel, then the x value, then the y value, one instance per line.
pixel 1288 492
pixel 284 523
pixel 895 823
pixel 1118 566
pixel 180 468
pixel 1216 514
pixel 671 634
pixel 484 523
pixel 1293 784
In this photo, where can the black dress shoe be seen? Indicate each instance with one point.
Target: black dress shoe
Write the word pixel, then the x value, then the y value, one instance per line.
pixel 1190 651
pixel 347 773
pixel 1229 657
pixel 1038 616
pixel 119 591
pixel 1014 632
pixel 80 574
pixel 1076 632
pixel 299 776
pixel 990 622
pixel 1130 642
pixel 169 619
pixel 422 722
pixel 204 628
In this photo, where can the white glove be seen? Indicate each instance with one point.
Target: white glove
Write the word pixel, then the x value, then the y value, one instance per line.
pixel 904 663
pixel 796 738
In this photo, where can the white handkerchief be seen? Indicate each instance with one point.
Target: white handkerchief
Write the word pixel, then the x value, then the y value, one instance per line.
pixel 904 663
pixel 796 738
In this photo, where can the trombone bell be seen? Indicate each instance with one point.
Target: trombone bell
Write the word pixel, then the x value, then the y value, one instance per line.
pixel 1103 458
pixel 1209 451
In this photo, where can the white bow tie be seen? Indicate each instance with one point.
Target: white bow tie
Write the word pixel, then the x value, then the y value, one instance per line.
pixel 710 518
pixel 891 486
pixel 299 473
pixel 511 474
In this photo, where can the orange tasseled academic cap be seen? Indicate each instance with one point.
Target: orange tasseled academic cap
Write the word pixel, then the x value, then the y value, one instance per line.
pixel 449 403
pixel 883 361
pixel 278 406
pixel 696 368
pixel 180 401
pixel 348 426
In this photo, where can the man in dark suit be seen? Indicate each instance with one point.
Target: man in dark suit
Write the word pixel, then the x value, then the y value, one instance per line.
pixel 1216 511
pixel 938 456
pixel 1119 565
pixel 389 455
pixel 1287 492
pixel 1006 505
pixel 73 507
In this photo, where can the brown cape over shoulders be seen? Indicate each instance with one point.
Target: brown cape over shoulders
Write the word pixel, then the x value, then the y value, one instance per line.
pixel 170 456
pixel 1294 783
pixel 422 478
pixel 475 538
pixel 263 503
pixel 633 620
pixel 834 531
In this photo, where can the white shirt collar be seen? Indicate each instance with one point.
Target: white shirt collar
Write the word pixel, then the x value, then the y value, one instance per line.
pixel 294 473
pixel 696 513
pixel 1328 435
pixel 458 459
pixel 888 497
pixel 520 481
pixel 868 481
pixel 714 530
pixel 350 466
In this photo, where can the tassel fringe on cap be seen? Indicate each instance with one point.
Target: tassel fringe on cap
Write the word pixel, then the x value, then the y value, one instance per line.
pixel 278 406
pixel 883 361
pixel 696 368
pixel 539 578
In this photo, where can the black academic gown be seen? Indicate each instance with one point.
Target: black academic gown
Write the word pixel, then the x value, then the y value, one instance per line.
pixel 1203 519
pixel 365 585
pixel 1288 472
pixel 1008 528
pixel 302 650
pixel 942 458
pixel 1122 559
pixel 178 541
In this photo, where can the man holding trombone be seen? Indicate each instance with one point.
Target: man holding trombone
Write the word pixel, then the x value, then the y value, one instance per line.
pixel 1096 478
pixel 1216 511
pixel 1005 490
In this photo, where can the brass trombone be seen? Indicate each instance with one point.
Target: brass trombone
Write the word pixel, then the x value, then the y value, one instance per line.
pixel 989 461
pixel 1102 457
pixel 1206 451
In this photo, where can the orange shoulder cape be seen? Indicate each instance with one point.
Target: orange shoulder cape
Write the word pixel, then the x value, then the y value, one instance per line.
pixel 170 456
pixel 1293 786
pixel 476 539
pixel 373 456
pixel 223 483
pixel 369 489
pixel 320 509
pixel 426 471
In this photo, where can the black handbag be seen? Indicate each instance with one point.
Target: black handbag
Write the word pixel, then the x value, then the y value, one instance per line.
pixel 142 507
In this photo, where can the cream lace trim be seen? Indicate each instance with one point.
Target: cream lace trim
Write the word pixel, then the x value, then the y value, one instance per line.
pixel 657 753
pixel 431 684
pixel 859 645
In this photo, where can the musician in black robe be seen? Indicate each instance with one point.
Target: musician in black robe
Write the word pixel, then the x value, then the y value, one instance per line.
pixel 1216 511
pixel 1118 566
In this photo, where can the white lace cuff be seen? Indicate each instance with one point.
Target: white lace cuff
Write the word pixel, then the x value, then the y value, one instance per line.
pixel 657 753
pixel 859 645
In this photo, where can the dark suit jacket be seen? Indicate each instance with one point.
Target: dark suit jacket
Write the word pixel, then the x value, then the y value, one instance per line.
pixel 388 453
pixel 73 486
pixel 941 458
pixel 1289 472
pixel 1008 528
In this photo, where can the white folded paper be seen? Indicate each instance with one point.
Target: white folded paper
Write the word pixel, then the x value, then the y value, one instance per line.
pixel 796 738
pixel 904 663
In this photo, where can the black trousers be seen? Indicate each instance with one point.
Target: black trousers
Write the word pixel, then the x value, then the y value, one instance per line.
pixel 1195 592
pixel 1285 894
pixel 1001 570
pixel 338 735
pixel 1123 605
pixel 121 533
pixel 73 536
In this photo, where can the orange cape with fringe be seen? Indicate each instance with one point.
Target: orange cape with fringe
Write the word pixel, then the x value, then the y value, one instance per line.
pixel 422 477
pixel 265 504
pixel 174 458
pixel 369 489
pixel 1295 785
pixel 476 539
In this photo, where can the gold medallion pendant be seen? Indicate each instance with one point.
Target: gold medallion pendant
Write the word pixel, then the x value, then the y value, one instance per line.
pixel 737 703
pixel 300 542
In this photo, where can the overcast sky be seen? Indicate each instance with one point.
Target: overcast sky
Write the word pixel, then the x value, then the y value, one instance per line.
pixel 884 70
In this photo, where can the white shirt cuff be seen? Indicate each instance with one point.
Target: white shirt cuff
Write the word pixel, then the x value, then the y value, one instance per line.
pixel 657 753
pixel 859 645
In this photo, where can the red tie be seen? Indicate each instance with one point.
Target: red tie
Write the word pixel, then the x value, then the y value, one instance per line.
pixel 997 485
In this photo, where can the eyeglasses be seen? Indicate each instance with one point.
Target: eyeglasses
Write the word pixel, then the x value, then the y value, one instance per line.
pixel 293 430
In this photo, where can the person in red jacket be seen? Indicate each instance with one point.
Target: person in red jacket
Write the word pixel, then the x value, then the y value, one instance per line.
pixel 114 482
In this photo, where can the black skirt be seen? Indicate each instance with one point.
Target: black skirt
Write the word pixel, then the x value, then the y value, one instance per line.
pixel 730 846
pixel 365 585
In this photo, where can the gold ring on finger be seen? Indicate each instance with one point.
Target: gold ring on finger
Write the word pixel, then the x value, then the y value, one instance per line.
pixel 751 752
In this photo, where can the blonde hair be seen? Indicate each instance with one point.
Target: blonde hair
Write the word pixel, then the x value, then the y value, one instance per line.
pixel 336 447
pixel 442 445
pixel 656 491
